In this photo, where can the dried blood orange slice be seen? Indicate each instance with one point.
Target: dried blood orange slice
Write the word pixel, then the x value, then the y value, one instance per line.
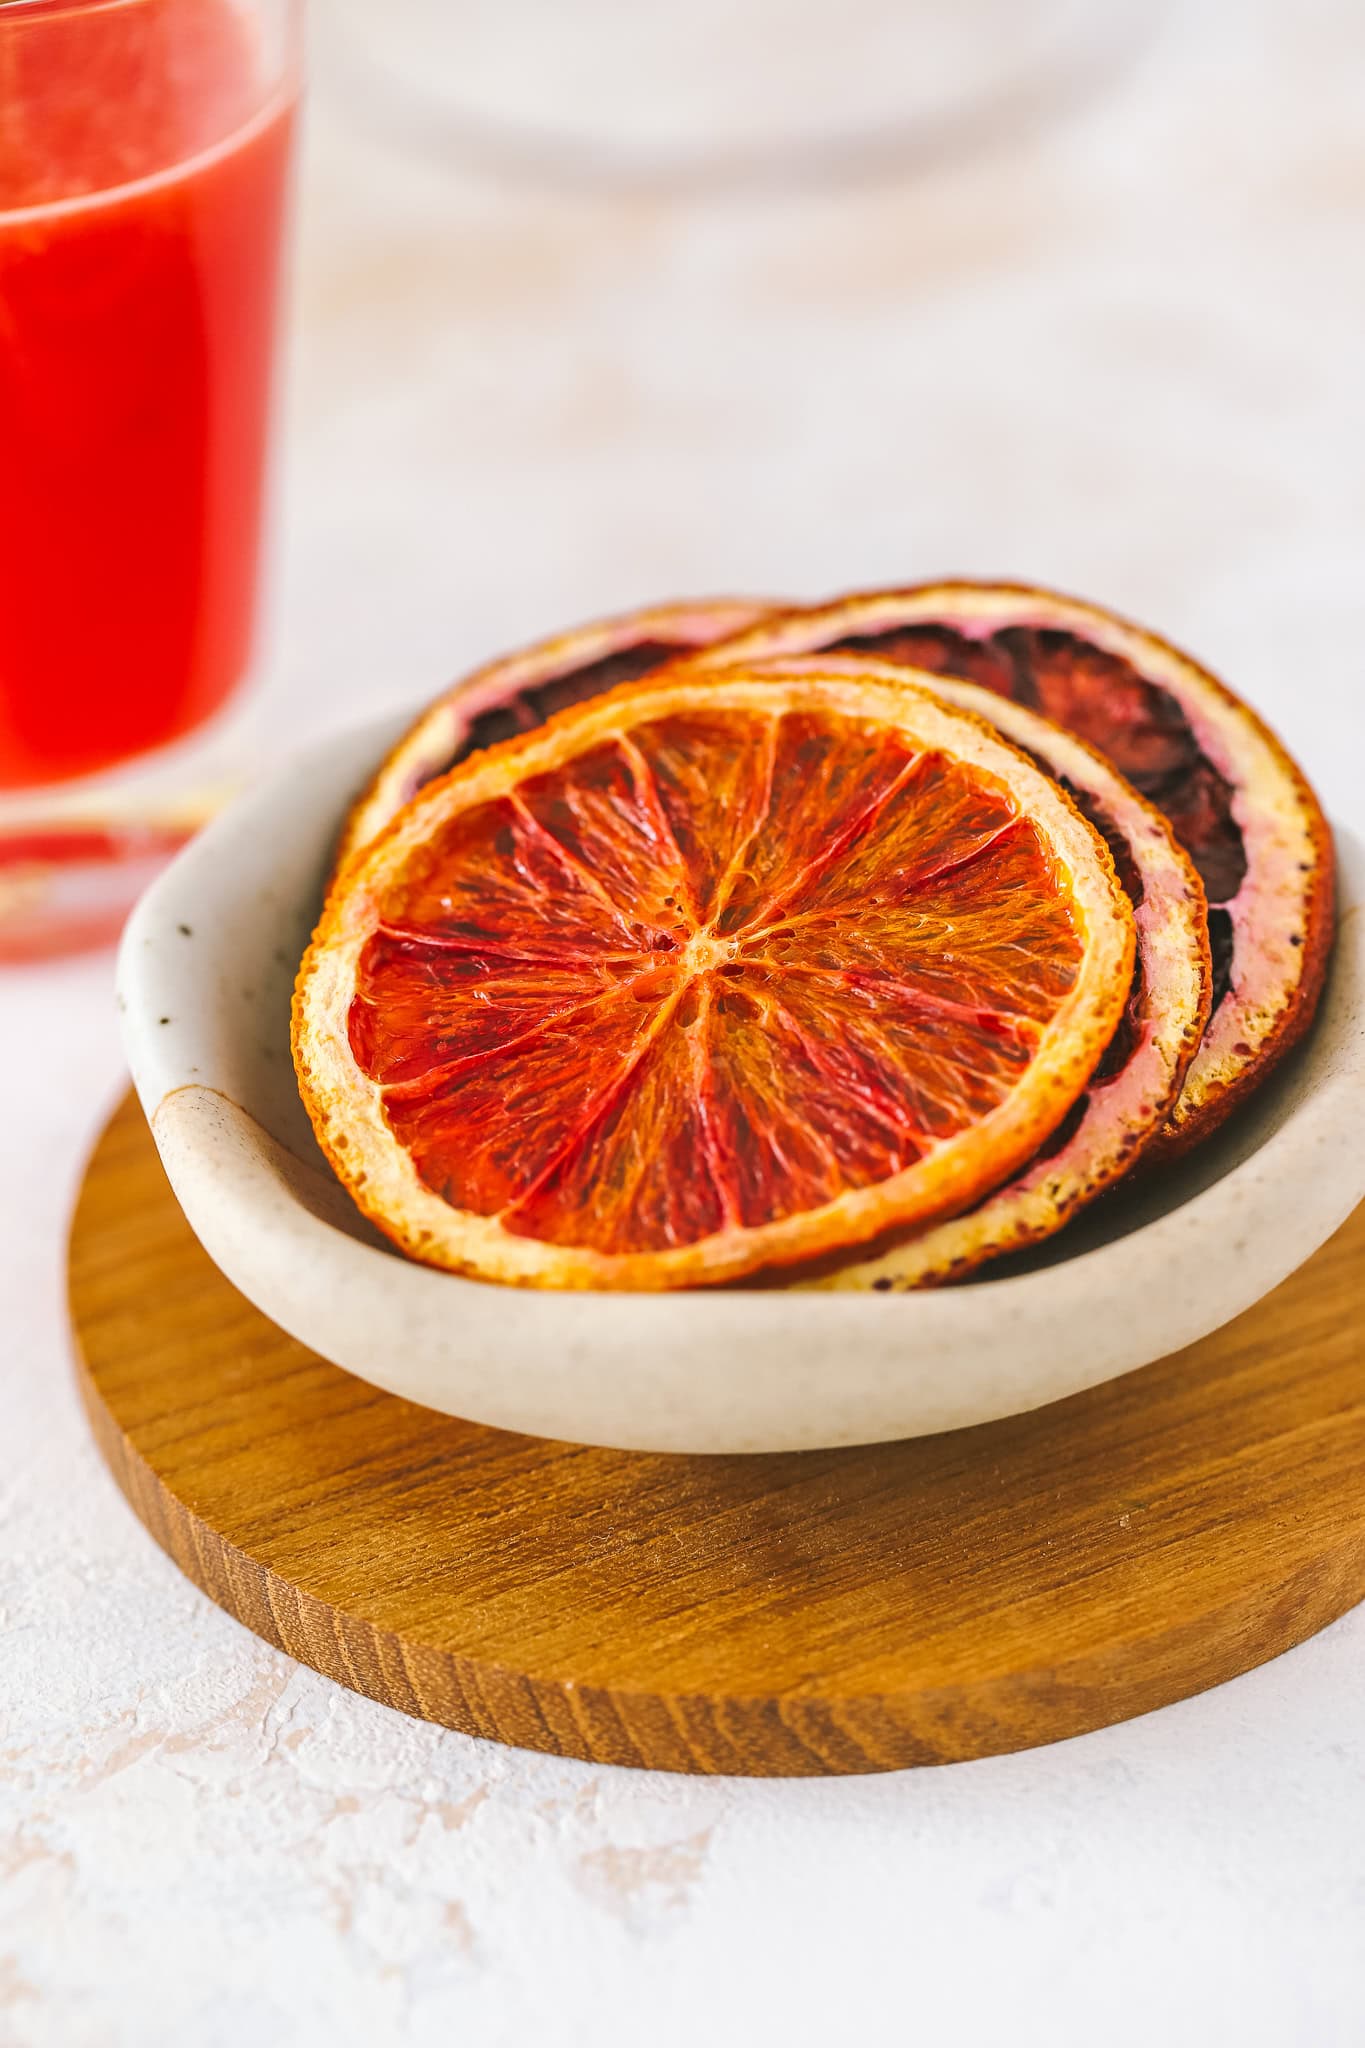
pixel 520 691
pixel 1236 800
pixel 1135 1085
pixel 706 975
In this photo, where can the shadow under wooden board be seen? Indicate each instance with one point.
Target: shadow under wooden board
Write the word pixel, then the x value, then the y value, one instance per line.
pixel 820 1612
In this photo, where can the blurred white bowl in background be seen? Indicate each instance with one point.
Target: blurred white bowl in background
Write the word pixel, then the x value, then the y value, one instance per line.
pixel 707 90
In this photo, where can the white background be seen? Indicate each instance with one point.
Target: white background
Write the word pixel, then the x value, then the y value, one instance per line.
pixel 1126 355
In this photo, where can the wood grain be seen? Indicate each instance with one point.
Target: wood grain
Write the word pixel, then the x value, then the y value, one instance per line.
pixel 816 1613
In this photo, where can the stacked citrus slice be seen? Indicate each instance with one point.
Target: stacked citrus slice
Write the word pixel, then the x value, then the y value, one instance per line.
pixel 823 946
pixel 1235 800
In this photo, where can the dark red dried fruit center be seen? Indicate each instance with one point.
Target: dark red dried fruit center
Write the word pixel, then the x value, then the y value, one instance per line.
pixel 533 706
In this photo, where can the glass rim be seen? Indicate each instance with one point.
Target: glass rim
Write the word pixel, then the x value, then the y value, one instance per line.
pixel 281 88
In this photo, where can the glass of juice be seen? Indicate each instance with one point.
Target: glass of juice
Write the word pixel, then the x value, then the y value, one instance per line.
pixel 144 156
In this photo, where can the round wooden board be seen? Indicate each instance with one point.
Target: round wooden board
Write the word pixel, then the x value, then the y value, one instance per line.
pixel 821 1612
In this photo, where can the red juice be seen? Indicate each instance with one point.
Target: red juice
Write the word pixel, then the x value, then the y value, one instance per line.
pixel 143 159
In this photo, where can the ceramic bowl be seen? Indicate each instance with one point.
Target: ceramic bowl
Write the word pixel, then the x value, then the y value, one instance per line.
pixel 205 977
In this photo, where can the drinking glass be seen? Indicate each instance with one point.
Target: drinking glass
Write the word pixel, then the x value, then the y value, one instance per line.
pixel 144 156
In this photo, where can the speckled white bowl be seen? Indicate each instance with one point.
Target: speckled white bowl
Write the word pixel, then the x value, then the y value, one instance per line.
pixel 205 977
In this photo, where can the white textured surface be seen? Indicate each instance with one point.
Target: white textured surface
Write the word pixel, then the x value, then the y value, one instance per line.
pixel 1126 356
